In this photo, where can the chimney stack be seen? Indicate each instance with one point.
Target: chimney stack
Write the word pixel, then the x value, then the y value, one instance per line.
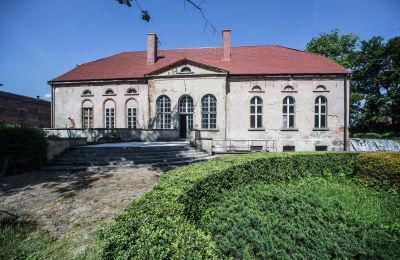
pixel 151 48
pixel 226 36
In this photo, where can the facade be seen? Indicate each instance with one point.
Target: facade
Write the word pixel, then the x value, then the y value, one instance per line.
pixel 297 99
pixel 17 109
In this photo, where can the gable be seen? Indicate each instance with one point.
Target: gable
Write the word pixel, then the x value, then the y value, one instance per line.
pixel 186 68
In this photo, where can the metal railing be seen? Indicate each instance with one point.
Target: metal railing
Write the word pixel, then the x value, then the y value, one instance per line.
pixel 242 146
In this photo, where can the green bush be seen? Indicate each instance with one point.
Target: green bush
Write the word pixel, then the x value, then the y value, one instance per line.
pixel 25 148
pixel 163 222
pixel 381 168
pixel 311 218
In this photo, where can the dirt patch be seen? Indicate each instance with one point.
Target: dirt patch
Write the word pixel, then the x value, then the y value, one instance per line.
pixel 73 206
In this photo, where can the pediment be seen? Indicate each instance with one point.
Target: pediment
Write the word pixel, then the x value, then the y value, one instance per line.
pixel 186 67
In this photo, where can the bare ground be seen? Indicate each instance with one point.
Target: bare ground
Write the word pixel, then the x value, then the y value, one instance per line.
pixel 73 206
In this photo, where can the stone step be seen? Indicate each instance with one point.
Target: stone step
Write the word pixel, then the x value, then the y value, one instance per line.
pixel 134 162
pixel 111 153
pixel 150 148
pixel 110 167
pixel 71 156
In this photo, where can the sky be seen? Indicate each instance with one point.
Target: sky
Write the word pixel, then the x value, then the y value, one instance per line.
pixel 42 39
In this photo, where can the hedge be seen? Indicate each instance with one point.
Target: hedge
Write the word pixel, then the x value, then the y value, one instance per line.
pixel 25 148
pixel 379 168
pixel 162 223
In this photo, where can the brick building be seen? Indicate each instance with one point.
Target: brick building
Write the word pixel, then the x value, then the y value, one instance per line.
pixel 18 109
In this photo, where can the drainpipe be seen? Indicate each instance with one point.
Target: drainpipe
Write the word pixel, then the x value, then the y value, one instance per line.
pixel 346 114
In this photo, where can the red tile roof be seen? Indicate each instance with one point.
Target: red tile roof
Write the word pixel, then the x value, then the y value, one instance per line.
pixel 270 60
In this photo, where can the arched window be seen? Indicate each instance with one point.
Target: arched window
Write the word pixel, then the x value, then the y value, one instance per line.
pixel 86 92
pixel 109 92
pixel 186 70
pixel 109 114
pixel 321 112
pixel 186 109
pixel 209 112
pixel 131 91
pixel 163 112
pixel 256 104
pixel 321 88
pixel 131 110
pixel 256 88
pixel 87 114
pixel 288 112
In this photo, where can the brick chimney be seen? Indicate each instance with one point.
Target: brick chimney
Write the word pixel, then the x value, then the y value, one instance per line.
pixel 151 48
pixel 226 36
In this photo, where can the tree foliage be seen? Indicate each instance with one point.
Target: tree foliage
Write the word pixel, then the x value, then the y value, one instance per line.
pixel 375 80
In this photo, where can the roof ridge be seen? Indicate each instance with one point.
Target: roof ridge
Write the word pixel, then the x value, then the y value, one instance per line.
pixel 294 49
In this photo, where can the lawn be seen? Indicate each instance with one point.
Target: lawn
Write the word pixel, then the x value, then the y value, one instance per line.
pixel 312 218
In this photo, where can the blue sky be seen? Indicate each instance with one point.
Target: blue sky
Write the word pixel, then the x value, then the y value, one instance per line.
pixel 41 39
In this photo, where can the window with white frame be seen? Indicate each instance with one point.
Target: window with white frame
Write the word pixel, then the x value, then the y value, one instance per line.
pixel 87 114
pixel 109 114
pixel 131 108
pixel 209 112
pixel 321 112
pixel 186 108
pixel 256 105
pixel 163 112
pixel 288 112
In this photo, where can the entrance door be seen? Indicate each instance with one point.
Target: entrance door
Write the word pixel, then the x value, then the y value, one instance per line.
pixel 182 126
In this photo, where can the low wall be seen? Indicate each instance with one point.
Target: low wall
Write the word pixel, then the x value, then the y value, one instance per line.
pixel 57 146
pixel 120 134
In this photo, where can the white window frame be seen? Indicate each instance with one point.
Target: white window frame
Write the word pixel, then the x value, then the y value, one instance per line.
pixel 256 111
pixel 321 118
pixel 186 108
pixel 131 117
pixel 289 116
pixel 209 112
pixel 163 112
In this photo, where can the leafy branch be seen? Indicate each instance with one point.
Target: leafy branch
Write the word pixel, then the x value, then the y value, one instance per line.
pixel 146 15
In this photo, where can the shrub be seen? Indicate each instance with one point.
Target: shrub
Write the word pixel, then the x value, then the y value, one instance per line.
pixel 311 218
pixel 379 168
pixel 25 148
pixel 162 223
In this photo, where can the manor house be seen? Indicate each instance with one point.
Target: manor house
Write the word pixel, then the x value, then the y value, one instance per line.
pixel 300 100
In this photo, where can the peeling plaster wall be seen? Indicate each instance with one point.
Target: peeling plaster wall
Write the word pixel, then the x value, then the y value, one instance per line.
pixel 233 106
pixel 69 99
pixel 196 87
pixel 272 92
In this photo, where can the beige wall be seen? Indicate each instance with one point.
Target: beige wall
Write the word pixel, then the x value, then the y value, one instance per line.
pixel 305 137
pixel 68 101
pixel 233 105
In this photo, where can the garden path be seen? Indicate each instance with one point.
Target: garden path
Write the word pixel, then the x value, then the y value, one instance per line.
pixel 74 205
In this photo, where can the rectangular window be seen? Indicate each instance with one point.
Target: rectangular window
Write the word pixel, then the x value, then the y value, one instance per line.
pixel 131 117
pixel 288 148
pixel 321 148
pixel 87 117
pixel 110 118
pixel 22 115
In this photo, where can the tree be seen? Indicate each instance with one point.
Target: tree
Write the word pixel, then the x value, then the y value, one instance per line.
pixel 375 80
pixel 339 48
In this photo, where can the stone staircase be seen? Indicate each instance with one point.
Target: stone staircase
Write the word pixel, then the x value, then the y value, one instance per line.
pixel 130 154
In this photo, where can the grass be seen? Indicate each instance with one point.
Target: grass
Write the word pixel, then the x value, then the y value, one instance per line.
pixel 313 218
pixel 21 239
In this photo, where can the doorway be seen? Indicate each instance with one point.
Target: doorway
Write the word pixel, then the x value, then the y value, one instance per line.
pixel 182 126
pixel 185 116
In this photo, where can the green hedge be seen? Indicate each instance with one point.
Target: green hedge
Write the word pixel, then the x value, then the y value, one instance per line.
pixel 25 148
pixel 379 168
pixel 162 223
